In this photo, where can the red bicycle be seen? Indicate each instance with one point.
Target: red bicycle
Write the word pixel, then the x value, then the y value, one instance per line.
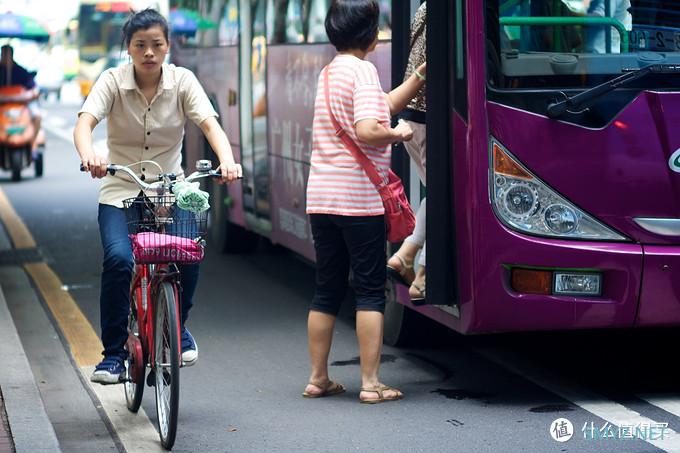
pixel 162 236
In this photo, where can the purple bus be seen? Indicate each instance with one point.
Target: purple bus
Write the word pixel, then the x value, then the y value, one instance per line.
pixel 553 152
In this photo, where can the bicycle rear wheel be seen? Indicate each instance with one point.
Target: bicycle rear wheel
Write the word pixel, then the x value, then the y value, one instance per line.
pixel 136 363
pixel 166 364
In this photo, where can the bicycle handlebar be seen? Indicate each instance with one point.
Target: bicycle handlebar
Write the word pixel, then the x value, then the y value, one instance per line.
pixel 163 181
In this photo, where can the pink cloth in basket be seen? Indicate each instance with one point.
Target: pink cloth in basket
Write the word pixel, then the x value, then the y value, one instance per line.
pixel 165 248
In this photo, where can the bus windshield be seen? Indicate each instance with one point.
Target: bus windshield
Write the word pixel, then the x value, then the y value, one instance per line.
pixel 99 28
pixel 580 43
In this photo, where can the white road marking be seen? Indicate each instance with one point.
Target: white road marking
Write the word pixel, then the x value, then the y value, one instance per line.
pixel 670 402
pixel 55 121
pixel 135 431
pixel 596 404
pixel 67 135
pixel 64 134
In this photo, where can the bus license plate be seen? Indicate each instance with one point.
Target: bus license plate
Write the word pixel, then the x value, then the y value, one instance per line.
pixel 655 39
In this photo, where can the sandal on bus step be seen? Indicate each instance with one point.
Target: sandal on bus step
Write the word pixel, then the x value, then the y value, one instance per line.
pixel 381 397
pixel 330 389
pixel 417 294
pixel 403 274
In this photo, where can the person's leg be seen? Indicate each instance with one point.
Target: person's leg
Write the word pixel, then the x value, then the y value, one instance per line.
pixel 417 290
pixel 332 271
pixel 319 338
pixel 36 118
pixel 114 298
pixel 365 239
pixel 401 262
pixel 188 280
pixel 115 280
pixel 370 326
pixel 37 123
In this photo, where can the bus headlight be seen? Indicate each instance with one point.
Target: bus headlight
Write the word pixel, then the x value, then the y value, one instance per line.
pixel 525 203
pixel 520 200
pixel 560 219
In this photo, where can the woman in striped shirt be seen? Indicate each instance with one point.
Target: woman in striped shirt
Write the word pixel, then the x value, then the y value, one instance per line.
pixel 345 209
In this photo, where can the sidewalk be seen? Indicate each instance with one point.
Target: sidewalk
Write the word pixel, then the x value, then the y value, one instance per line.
pixel 24 425
pixel 6 441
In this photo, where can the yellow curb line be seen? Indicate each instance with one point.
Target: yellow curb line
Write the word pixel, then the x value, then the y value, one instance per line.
pixel 18 233
pixel 82 339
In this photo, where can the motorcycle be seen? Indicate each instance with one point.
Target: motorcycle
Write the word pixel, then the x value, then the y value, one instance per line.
pixel 18 150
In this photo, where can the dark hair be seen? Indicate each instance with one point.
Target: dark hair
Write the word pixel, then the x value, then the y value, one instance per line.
pixel 143 20
pixel 352 24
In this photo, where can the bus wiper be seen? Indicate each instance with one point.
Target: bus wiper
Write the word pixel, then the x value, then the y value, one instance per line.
pixel 557 109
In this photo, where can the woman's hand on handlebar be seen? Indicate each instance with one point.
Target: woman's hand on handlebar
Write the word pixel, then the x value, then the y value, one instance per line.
pixel 96 165
pixel 230 172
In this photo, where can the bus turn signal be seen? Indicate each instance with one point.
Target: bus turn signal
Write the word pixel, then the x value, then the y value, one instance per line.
pixel 531 281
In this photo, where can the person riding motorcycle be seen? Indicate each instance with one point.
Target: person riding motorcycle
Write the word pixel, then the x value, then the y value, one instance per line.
pixel 12 73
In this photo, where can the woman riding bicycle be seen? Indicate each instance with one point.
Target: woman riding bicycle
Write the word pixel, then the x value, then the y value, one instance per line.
pixel 146 104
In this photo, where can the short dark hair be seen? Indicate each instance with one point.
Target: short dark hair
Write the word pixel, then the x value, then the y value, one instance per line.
pixel 143 20
pixel 352 24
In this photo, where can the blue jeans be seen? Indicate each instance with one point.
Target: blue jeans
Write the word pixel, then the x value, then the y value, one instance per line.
pixel 114 301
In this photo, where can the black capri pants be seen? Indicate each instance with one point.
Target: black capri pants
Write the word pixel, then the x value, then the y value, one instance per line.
pixel 341 242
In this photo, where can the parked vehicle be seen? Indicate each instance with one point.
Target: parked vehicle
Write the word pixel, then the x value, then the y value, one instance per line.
pixel 19 144
pixel 17 148
pixel 50 76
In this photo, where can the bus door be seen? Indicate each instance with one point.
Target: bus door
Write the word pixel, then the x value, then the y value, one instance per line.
pixel 253 115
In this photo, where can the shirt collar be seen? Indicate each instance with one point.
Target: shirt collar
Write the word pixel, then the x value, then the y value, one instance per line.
pixel 127 73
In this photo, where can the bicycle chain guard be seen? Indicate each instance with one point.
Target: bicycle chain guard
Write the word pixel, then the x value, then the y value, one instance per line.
pixel 134 347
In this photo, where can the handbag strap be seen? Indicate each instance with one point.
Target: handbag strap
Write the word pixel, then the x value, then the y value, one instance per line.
pixel 358 155
pixel 416 34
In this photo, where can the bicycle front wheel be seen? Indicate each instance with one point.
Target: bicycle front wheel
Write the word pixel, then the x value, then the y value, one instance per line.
pixel 166 363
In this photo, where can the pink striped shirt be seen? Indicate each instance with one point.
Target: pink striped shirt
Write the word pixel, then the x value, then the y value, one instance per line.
pixel 337 183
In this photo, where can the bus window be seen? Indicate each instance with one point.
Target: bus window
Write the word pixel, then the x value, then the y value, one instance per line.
pixel 258 120
pixel 100 29
pixel 385 24
pixel 316 31
pixel 187 40
pixel 211 37
pixel 228 27
pixel 313 13
pixel 595 26
pixel 284 21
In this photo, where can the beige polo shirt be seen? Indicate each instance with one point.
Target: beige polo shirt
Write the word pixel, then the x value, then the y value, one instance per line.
pixel 138 130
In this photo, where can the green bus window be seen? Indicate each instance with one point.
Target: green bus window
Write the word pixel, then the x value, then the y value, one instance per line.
pixel 316 31
pixel 284 21
pixel 385 24
pixel 228 26
pixel 209 33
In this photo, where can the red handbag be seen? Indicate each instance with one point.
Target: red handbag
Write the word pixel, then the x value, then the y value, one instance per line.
pixel 399 218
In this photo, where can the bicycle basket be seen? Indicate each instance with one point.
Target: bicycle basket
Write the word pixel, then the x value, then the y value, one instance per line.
pixel 161 232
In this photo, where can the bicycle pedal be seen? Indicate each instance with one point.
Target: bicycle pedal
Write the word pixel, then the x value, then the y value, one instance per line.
pixel 151 379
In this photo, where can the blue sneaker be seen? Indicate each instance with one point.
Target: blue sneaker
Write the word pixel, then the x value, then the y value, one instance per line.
pixel 111 370
pixel 189 348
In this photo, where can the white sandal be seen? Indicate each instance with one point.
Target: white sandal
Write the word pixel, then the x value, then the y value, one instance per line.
pixel 400 276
